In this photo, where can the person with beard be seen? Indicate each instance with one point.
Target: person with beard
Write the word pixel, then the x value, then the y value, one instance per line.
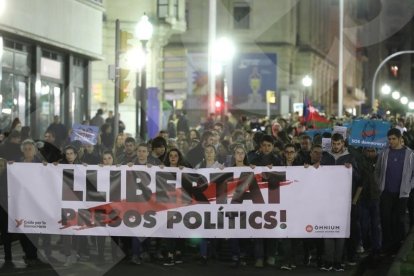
pixel 266 157
pixel 334 247
pixel 129 154
pixel 317 158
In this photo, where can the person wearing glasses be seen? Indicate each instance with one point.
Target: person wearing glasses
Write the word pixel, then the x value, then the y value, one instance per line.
pixel 289 246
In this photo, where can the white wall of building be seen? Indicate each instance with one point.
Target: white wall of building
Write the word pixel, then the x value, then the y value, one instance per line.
pixel 68 24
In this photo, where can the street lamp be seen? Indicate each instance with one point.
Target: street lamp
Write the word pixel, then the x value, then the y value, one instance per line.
pixel 411 105
pixel 224 51
pixel 385 89
pixel 396 95
pixel 374 79
pixel 143 32
pixel 136 59
pixel 307 81
pixel 404 100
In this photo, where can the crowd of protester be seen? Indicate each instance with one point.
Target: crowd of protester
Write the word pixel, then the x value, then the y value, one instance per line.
pixel 381 188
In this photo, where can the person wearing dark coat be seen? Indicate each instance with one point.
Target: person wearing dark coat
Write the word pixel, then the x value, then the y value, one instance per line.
pixel 48 149
pixel 182 123
pixel 10 150
pixel 196 154
pixel 59 129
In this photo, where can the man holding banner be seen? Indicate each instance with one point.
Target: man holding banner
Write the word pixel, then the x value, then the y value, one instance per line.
pixel 334 247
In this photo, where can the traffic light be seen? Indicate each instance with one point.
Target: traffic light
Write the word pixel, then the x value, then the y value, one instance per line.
pixel 123 84
pixel 124 37
pixel 219 104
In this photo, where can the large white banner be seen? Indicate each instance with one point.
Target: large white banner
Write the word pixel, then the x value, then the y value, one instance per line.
pixel 139 201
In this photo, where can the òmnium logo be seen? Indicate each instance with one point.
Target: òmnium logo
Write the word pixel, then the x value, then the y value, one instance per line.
pixel 18 222
pixel 327 228
pixel 309 228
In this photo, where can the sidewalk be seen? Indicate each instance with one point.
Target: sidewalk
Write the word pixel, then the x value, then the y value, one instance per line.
pixel 403 263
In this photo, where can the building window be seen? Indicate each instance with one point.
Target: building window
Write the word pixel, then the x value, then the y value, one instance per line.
pixel 51 55
pixel 176 8
pixel 16 57
pixel 162 8
pixel 241 15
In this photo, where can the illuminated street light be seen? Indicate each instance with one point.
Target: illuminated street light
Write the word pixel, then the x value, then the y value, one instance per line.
pixel 143 31
pixel 136 59
pixel 386 89
pixel 224 51
pixel 307 81
pixel 396 95
pixel 404 100
pixel 411 105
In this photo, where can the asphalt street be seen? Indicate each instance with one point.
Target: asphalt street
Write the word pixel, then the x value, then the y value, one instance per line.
pixel 190 267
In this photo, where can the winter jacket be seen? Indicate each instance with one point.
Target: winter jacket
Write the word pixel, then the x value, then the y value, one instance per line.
pixel 407 182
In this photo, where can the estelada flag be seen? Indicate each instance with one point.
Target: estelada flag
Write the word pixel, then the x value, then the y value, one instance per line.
pixel 311 117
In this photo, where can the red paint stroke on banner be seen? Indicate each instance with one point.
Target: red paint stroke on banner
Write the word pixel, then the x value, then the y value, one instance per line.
pixel 153 205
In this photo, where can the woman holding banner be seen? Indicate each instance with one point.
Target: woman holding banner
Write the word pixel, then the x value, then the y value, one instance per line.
pixel 71 244
pixel 175 246
pixel 239 246
pixel 107 160
pixel 209 161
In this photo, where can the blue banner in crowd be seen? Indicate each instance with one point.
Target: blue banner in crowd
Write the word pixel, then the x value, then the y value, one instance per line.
pixel 369 133
pixel 313 132
pixel 87 135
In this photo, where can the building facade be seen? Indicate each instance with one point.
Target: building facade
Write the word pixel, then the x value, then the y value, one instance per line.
pixel 278 43
pixel 167 18
pixel 282 41
pixel 46 67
